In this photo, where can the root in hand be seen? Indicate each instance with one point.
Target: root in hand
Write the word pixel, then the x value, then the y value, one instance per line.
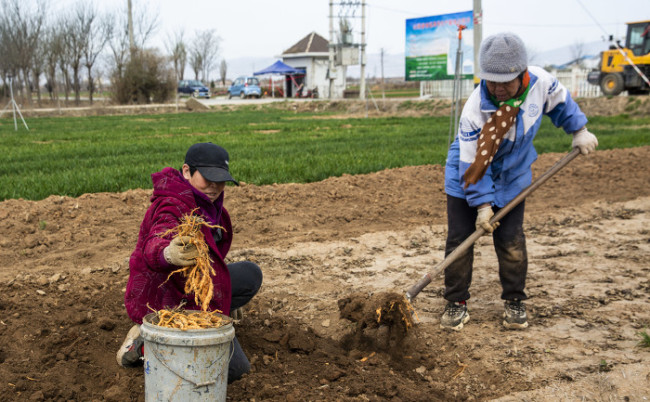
pixel 198 277
pixel 198 280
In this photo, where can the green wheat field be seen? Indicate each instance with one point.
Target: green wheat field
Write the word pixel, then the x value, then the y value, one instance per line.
pixel 71 156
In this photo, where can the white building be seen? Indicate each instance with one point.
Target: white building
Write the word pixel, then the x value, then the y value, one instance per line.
pixel 311 54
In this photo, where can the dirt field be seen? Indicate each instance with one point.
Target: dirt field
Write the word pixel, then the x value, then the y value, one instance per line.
pixel 65 269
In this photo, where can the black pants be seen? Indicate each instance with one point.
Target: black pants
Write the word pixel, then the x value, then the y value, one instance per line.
pixel 246 280
pixel 509 244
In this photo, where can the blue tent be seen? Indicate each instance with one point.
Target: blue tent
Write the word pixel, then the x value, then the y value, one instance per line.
pixel 279 68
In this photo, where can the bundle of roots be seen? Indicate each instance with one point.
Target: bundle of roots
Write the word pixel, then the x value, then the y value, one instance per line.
pixel 198 278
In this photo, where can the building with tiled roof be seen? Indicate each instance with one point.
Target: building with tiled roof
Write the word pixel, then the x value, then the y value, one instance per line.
pixel 311 54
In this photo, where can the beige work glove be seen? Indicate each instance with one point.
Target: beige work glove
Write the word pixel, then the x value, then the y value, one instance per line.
pixel 585 141
pixel 483 219
pixel 181 252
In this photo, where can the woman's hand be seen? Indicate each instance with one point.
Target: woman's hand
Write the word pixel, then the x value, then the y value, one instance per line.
pixel 181 252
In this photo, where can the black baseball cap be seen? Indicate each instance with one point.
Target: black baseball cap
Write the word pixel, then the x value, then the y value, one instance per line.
pixel 210 160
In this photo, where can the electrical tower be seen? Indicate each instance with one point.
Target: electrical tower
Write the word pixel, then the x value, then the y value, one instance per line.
pixel 347 44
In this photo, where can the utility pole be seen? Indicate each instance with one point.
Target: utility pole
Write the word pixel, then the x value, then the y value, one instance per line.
pixel 362 87
pixel 458 87
pixel 383 89
pixel 478 37
pixel 131 44
pixel 331 74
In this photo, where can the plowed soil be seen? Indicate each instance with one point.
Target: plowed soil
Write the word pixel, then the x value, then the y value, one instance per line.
pixel 64 270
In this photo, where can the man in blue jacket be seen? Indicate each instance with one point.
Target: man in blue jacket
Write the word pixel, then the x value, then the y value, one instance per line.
pixel 489 163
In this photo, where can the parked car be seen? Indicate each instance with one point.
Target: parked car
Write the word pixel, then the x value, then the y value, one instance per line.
pixel 193 88
pixel 245 87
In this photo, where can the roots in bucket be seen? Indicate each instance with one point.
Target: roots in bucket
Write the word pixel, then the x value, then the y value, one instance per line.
pixel 184 320
pixel 198 279
pixel 388 310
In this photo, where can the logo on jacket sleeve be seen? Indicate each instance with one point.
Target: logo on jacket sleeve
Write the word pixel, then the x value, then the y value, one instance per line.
pixel 469 135
pixel 553 86
pixel 533 110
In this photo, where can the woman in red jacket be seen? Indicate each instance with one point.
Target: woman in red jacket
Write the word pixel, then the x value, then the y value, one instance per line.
pixel 199 184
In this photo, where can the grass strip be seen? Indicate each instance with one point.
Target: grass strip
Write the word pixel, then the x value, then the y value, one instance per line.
pixel 75 155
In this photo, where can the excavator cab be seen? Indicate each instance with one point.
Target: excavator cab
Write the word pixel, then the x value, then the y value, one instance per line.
pixel 638 38
pixel 616 72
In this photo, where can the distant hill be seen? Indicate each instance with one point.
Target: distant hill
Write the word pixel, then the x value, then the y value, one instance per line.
pixel 564 56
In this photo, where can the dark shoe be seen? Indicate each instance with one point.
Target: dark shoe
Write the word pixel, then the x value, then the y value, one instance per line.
pixel 130 353
pixel 455 316
pixel 514 316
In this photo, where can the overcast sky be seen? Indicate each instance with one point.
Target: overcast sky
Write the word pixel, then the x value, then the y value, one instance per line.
pixel 254 33
pixel 263 28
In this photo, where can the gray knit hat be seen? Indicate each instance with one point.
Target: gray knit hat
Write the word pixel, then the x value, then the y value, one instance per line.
pixel 502 57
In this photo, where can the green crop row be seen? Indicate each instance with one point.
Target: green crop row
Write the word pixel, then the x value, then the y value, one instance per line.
pixel 76 155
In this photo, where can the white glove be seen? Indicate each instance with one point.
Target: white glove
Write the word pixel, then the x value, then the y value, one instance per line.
pixel 483 219
pixel 181 252
pixel 585 141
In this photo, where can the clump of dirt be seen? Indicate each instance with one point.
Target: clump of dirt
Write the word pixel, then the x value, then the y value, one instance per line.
pixel 384 308
pixel 382 322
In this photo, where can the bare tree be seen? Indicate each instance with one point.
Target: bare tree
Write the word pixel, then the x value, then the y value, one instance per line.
pixel 52 48
pixel 7 49
pixel 223 70
pixel 204 52
pixel 196 62
pixel 98 33
pixel 63 53
pixel 38 63
pixel 145 24
pixel 82 16
pixel 119 43
pixel 21 28
pixel 178 53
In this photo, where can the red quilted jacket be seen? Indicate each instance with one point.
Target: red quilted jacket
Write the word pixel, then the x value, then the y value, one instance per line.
pixel 173 197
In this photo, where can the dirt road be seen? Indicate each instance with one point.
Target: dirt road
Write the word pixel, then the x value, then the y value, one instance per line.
pixel 64 269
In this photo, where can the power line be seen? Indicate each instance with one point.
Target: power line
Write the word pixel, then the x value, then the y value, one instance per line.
pixel 393 10
pixel 624 54
pixel 592 17
pixel 510 24
pixel 545 25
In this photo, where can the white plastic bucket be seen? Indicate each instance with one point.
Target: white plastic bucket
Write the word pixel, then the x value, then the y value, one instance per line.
pixel 189 365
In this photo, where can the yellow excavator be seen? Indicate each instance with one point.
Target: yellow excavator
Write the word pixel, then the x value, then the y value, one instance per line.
pixel 626 68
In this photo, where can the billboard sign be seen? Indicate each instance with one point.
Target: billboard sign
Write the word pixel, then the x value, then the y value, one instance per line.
pixel 432 45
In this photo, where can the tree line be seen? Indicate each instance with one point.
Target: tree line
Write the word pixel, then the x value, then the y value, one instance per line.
pixel 58 54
